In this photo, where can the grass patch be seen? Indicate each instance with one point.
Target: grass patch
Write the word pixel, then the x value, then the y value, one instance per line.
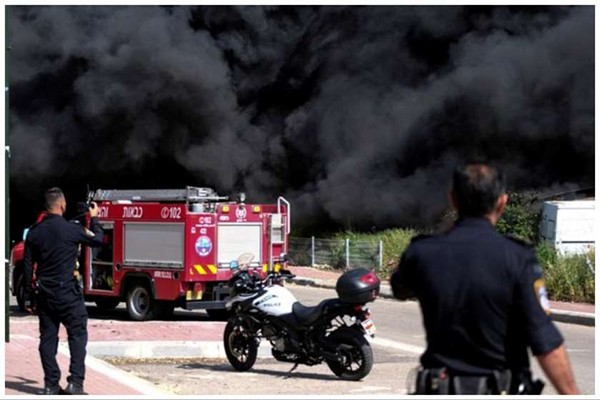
pixel 568 278
pixel 394 243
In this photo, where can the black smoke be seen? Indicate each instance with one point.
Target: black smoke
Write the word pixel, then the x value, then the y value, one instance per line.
pixel 355 114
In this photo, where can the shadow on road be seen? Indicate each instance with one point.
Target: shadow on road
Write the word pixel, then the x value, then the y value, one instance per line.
pixel 120 314
pixel 22 385
pixel 283 375
pixel 15 312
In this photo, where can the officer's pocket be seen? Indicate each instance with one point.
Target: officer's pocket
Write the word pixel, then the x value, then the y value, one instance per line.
pixel 77 289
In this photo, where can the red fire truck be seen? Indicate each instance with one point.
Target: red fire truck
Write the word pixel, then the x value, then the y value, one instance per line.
pixel 174 248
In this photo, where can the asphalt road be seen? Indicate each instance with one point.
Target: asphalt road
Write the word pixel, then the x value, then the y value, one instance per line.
pixel 399 325
pixel 398 344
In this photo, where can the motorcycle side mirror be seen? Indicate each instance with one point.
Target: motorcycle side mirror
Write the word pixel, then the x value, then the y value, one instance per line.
pixel 234 265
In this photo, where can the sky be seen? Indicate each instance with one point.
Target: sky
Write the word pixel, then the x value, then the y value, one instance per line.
pixel 357 115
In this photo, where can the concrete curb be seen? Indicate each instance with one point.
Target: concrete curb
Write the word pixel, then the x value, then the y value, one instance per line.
pixel 573 317
pixel 570 317
pixel 138 349
pixel 141 385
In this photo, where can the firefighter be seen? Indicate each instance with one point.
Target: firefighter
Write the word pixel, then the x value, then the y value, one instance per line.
pixel 53 244
pixel 482 299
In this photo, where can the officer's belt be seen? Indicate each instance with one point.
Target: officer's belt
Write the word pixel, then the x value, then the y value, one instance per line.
pixel 46 283
pixel 442 381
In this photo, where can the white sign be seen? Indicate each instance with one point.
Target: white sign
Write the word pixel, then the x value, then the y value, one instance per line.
pixel 163 274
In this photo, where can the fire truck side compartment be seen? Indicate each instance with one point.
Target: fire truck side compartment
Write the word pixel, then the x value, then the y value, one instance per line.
pixel 237 239
pixel 156 244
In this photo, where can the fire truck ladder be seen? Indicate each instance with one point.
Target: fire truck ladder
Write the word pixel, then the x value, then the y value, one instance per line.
pixel 190 194
pixel 276 232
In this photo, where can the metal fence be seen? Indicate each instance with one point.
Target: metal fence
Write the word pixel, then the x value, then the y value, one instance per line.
pixel 336 253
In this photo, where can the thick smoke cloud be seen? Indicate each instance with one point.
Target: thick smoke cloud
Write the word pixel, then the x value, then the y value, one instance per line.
pixel 356 114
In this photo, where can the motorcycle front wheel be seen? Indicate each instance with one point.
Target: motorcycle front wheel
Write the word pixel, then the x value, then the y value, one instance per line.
pixel 355 356
pixel 241 345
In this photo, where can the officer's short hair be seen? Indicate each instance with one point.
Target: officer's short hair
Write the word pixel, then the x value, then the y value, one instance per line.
pixel 52 196
pixel 477 187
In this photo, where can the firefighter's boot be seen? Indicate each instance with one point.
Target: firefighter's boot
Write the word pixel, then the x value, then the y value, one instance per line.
pixel 74 388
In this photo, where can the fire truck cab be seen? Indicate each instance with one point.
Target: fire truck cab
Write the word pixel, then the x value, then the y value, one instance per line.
pixel 174 248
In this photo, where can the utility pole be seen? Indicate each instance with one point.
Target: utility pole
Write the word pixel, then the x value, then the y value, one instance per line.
pixel 7 242
pixel 7 196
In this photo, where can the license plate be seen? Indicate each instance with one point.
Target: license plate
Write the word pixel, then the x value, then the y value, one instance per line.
pixel 369 326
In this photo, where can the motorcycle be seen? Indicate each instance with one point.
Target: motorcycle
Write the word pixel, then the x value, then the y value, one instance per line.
pixel 337 330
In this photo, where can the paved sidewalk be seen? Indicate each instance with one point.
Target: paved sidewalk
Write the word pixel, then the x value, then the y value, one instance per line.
pixel 23 371
pixel 23 374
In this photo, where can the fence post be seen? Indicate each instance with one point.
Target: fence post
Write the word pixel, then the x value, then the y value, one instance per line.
pixel 347 253
pixel 312 251
pixel 380 254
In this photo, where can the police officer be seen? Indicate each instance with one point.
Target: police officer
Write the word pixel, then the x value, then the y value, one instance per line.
pixel 52 244
pixel 482 299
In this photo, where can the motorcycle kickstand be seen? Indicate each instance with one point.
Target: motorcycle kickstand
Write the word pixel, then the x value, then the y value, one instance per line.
pixel 289 374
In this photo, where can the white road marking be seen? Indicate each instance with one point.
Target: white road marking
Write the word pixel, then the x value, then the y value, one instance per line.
pixel 370 389
pixel 410 348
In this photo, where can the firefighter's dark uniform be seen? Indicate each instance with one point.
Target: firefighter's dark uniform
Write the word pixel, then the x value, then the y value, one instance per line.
pixel 53 245
pixel 483 303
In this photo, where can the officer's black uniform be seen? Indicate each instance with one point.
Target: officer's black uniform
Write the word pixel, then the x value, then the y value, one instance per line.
pixel 53 245
pixel 480 298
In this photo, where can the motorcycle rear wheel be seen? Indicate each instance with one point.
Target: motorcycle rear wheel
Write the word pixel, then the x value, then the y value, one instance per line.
pixel 356 353
pixel 241 345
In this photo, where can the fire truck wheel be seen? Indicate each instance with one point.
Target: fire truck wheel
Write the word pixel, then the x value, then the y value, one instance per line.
pixel 140 304
pixel 108 303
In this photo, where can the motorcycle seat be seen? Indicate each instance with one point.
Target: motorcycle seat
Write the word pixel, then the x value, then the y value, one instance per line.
pixel 308 315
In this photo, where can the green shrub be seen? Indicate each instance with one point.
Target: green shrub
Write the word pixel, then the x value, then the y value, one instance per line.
pixel 521 218
pixel 546 254
pixel 568 278
pixel 394 243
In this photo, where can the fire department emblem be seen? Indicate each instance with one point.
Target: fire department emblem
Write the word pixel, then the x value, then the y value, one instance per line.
pixel 203 246
pixel 240 213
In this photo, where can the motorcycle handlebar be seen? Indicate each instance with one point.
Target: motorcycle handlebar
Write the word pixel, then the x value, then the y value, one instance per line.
pixel 251 281
pixel 276 276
